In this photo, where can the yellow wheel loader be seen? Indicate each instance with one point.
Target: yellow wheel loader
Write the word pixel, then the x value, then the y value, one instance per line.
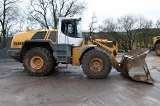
pixel 42 50
pixel 156 45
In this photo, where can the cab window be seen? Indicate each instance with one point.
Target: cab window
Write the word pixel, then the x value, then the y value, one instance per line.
pixel 68 28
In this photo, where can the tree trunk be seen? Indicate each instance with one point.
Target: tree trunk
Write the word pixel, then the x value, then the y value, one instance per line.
pixel 55 22
pixel 4 37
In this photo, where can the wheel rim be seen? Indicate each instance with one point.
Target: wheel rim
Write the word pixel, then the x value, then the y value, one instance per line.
pixel 158 50
pixel 96 65
pixel 36 62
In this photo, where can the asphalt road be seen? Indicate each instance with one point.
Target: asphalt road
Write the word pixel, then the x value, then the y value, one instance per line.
pixel 70 87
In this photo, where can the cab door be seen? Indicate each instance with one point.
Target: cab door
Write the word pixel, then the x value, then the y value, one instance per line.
pixel 67 33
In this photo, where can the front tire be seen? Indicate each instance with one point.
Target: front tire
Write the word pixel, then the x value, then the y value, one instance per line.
pixel 38 61
pixel 96 64
pixel 157 49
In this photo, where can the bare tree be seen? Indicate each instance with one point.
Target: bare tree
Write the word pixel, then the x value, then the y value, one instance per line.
pixel 112 30
pixel 38 10
pixel 127 24
pixel 8 14
pixel 92 28
pixel 46 12
pixel 130 31
pixel 157 25
pixel 144 33
pixel 64 8
pixel 157 28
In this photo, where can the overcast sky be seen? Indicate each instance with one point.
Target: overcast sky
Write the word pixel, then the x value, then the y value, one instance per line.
pixel 103 9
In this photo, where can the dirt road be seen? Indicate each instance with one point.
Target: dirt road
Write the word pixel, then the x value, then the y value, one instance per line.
pixel 70 87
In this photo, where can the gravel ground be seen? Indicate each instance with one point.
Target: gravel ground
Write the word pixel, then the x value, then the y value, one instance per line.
pixel 70 87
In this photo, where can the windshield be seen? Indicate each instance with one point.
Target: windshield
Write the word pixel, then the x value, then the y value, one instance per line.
pixel 79 29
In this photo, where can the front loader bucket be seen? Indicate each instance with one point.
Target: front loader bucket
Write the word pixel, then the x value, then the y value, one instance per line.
pixel 134 66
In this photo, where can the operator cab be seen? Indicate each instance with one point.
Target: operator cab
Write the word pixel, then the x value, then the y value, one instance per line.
pixel 69 31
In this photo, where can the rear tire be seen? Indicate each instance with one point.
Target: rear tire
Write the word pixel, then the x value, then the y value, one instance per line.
pixel 38 61
pixel 96 64
pixel 157 49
